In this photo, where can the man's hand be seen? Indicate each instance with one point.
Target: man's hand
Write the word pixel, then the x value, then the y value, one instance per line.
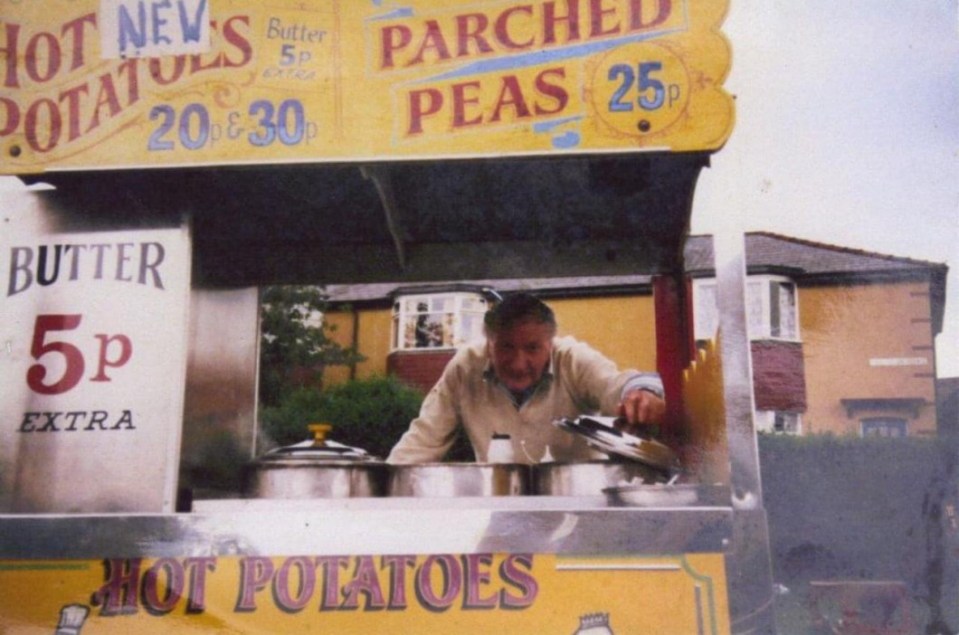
pixel 641 408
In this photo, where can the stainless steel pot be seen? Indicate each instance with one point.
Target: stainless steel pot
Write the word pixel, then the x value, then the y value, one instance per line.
pixel 634 461
pixel 316 468
pixel 592 477
pixel 444 480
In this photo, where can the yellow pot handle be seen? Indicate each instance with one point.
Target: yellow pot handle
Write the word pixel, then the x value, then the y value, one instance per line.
pixel 319 432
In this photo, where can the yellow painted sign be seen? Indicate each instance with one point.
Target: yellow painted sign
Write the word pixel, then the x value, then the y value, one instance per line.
pixel 141 83
pixel 471 593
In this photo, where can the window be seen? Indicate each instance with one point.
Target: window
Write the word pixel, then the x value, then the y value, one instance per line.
pixel 779 310
pixel 883 427
pixel 705 310
pixel 778 421
pixel 438 320
pixel 771 308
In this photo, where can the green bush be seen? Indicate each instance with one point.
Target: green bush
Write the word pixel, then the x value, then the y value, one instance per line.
pixel 367 413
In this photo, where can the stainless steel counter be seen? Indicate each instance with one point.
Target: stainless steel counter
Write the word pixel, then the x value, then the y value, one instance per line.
pixel 540 524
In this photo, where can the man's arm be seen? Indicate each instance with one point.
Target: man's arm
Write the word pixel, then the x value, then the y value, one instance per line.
pixel 432 433
pixel 633 395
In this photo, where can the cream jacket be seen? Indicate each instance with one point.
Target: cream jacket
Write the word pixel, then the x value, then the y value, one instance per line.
pixel 579 380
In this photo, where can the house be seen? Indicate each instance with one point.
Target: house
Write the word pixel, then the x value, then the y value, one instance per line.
pixel 842 339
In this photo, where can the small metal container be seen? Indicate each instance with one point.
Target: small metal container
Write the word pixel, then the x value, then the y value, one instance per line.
pixel 446 480
pixel 664 495
pixel 315 469
pixel 591 478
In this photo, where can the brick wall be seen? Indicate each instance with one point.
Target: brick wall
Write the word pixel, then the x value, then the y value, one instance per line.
pixel 420 369
pixel 779 377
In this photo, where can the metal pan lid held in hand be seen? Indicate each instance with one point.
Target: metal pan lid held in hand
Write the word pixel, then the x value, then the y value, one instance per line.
pixel 601 433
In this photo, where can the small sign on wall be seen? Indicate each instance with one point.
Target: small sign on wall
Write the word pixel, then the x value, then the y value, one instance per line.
pixel 94 357
pixel 898 361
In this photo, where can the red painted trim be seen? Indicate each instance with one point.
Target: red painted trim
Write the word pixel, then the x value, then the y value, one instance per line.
pixel 675 346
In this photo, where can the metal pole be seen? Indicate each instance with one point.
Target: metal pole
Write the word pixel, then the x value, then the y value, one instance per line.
pixel 748 567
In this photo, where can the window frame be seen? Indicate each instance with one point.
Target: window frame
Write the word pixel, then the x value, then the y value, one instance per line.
pixel 766 422
pixel 885 423
pixel 402 319
pixel 766 332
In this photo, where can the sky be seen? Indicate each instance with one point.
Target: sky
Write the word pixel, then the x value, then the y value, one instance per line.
pixel 847 132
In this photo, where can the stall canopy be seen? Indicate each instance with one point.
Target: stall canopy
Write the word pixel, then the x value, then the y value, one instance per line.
pixel 410 221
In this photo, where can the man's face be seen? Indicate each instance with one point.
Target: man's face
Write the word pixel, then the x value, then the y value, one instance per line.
pixel 520 354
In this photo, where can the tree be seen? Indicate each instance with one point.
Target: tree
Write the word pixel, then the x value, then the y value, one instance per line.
pixel 295 343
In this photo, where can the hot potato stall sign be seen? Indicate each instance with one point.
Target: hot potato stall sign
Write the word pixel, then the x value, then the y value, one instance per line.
pixel 125 83
pixel 94 335
pixel 441 593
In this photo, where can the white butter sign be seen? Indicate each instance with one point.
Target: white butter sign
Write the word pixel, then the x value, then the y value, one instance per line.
pixel 93 374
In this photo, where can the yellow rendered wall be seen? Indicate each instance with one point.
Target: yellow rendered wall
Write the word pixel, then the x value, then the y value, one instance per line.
pixel 622 327
pixel 339 326
pixel 373 341
pixel 375 333
pixel 842 329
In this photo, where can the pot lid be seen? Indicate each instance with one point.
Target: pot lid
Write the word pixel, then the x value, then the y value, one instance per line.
pixel 601 433
pixel 319 448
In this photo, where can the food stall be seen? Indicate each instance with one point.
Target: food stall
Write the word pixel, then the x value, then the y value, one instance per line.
pixel 176 156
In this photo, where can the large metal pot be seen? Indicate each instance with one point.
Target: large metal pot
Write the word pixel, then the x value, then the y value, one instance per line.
pixel 316 468
pixel 590 478
pixel 444 480
pixel 633 461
